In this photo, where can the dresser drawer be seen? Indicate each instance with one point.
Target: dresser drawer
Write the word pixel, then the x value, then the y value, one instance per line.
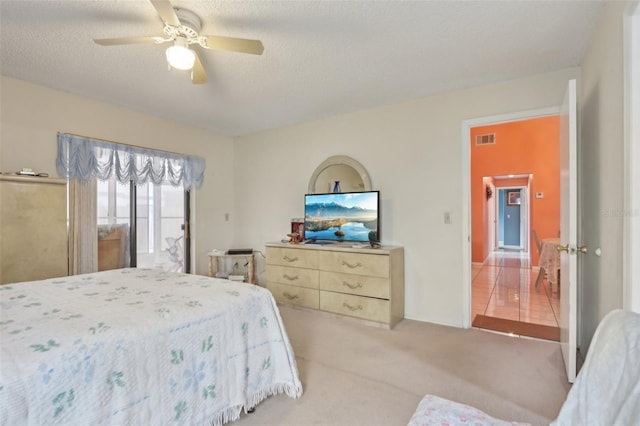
pixel 293 276
pixel 355 306
pixel 354 263
pixel 355 284
pixel 292 295
pixel 292 257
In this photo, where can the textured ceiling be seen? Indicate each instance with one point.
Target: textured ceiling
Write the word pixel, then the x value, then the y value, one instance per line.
pixel 321 58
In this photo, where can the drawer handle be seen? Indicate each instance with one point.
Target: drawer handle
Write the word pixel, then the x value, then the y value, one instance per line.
pixel 351 265
pixel 289 295
pixel 289 277
pixel 290 259
pixel 352 286
pixel 352 308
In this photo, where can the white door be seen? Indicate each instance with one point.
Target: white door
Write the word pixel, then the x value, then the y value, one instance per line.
pixel 568 230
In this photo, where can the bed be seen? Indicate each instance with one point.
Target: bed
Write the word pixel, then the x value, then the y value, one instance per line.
pixel 139 346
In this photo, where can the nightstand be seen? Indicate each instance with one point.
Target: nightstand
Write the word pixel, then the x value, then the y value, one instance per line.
pixel 242 259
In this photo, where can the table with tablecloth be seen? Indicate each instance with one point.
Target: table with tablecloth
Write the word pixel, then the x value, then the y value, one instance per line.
pixel 550 261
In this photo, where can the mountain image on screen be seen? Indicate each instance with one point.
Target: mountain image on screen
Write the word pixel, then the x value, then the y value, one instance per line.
pixel 337 210
pixel 342 220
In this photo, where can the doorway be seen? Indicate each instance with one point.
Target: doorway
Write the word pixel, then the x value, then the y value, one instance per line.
pixel 509 220
pixel 142 226
pixel 512 219
pixel 522 159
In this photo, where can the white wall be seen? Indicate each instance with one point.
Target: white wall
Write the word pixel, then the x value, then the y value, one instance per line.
pixel 31 116
pixel 412 152
pixel 601 154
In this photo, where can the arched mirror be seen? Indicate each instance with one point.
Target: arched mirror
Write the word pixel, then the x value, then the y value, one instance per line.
pixel 350 175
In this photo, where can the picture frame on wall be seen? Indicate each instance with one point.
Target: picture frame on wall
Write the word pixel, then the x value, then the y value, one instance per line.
pixel 513 198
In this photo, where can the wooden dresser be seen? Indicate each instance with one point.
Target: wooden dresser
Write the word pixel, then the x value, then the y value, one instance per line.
pixel 364 283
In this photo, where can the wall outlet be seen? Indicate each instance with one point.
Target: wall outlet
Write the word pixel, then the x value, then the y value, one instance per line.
pixel 447 218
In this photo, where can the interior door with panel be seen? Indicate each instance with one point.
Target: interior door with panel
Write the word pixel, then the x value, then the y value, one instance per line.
pixel 512 218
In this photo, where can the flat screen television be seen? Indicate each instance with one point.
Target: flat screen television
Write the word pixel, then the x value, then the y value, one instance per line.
pixel 343 216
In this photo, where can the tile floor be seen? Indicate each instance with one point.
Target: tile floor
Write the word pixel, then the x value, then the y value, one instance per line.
pixel 504 287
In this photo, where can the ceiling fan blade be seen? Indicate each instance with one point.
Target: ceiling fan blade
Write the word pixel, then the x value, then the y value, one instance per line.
pixel 128 40
pixel 166 12
pixel 198 75
pixel 232 44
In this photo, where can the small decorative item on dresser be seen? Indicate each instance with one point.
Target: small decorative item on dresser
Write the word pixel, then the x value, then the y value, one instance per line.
pixel 297 226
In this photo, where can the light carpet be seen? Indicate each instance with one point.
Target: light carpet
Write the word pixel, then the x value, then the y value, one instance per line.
pixel 356 374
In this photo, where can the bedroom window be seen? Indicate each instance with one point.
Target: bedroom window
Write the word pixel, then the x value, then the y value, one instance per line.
pixel 136 200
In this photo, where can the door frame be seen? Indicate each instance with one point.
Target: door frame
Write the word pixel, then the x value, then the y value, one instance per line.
pixel 493 221
pixel 467 125
pixel 631 220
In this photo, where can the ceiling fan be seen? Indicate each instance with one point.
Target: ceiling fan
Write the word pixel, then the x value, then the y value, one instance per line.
pixel 181 27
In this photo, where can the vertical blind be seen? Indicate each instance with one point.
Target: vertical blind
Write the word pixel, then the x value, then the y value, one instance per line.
pixel 83 158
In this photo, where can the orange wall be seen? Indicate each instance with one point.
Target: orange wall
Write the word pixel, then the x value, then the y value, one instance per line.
pixel 522 147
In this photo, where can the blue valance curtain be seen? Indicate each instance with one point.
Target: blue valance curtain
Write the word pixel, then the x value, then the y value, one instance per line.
pixel 83 158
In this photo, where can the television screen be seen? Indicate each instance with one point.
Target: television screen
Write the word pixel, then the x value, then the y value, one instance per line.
pixel 344 216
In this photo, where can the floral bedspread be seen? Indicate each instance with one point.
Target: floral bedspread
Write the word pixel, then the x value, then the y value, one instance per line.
pixel 139 346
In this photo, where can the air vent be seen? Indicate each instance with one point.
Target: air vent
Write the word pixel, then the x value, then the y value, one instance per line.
pixel 488 139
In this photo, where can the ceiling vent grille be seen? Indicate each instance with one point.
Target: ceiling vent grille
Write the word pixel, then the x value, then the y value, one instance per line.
pixel 488 139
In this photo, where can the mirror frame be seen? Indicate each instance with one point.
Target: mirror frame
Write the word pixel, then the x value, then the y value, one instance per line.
pixel 340 160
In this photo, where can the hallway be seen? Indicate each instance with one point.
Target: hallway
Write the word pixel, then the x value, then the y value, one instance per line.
pixel 503 291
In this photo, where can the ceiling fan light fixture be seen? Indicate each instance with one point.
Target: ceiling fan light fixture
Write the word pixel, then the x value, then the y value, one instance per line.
pixel 180 56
